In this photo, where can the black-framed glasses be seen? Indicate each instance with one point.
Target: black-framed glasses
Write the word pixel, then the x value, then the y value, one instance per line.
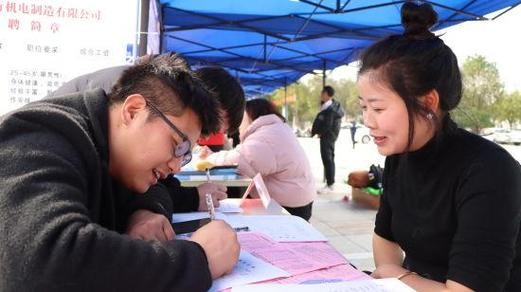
pixel 183 149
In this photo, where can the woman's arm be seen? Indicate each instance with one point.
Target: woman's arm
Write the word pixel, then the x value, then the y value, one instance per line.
pixel 388 258
pixel 386 251
pixel 224 157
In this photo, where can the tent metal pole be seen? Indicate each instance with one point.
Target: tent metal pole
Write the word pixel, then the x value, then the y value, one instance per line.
pixel 318 5
pixel 511 7
pixel 324 74
pixel 143 28
pixel 285 98
pixel 237 55
pixel 345 4
pixel 264 46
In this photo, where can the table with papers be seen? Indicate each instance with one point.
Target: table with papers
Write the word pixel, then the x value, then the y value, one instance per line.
pixel 285 252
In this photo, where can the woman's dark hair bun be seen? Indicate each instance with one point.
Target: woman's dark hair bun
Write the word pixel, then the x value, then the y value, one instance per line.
pixel 418 19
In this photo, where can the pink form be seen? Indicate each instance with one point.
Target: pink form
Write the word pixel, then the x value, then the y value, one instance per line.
pixel 294 257
pixel 334 274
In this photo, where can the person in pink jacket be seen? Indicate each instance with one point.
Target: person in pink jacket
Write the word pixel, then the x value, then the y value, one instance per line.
pixel 269 147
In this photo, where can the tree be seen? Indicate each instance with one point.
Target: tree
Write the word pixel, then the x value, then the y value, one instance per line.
pixel 348 90
pixel 301 111
pixel 509 108
pixel 307 104
pixel 482 87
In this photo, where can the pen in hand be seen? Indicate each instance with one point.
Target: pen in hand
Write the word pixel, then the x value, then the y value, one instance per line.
pixel 207 174
pixel 211 211
pixel 209 204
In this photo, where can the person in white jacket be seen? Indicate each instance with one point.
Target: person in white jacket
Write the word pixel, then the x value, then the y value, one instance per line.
pixel 269 147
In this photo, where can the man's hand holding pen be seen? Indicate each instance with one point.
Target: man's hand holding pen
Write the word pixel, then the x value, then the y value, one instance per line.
pixel 219 242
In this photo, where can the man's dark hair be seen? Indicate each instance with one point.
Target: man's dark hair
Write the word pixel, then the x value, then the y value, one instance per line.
pixel 228 92
pixel 176 59
pixel 330 91
pixel 166 81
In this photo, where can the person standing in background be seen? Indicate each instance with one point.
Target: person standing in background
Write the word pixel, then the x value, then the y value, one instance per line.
pixel 327 126
pixel 353 132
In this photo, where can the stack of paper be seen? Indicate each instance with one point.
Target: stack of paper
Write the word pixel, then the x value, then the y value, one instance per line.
pixel 249 269
pixel 379 285
pixel 282 249
pixel 296 257
pixel 282 228
pixel 229 206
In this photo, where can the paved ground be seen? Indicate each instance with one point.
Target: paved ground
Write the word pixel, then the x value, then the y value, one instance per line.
pixel 348 225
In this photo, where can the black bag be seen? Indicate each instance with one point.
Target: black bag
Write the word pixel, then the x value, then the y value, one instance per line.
pixel 375 176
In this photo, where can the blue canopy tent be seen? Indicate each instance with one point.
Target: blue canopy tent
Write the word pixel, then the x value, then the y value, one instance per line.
pixel 271 43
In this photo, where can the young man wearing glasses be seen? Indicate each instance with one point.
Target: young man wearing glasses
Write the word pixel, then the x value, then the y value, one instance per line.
pixel 76 164
pixel 144 223
pixel 226 90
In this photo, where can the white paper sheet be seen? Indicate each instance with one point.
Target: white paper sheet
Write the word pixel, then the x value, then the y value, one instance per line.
pixel 217 177
pixel 249 269
pixel 229 206
pixel 282 228
pixel 378 285
pixel 183 217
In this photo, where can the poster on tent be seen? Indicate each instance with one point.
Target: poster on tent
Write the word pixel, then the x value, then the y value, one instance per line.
pixel 44 43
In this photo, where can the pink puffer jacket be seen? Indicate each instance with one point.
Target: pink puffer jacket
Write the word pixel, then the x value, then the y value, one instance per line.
pixel 270 147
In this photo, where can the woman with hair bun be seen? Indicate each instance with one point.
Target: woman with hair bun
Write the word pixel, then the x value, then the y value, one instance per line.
pixel 450 214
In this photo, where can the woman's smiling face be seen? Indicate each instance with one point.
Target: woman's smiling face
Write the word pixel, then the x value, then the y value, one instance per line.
pixel 386 115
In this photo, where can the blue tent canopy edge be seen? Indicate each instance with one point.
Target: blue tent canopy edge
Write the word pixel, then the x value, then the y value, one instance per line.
pixel 272 43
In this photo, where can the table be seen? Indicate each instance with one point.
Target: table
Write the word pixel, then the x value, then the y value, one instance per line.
pixel 285 243
pixel 223 177
pixel 228 182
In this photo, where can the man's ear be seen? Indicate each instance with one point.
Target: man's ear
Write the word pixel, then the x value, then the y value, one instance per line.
pixel 431 100
pixel 133 105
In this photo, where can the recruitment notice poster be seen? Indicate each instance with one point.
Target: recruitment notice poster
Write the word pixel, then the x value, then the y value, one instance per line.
pixel 46 43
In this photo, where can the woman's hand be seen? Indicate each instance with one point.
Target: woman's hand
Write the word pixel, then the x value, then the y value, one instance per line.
pixel 205 152
pixel 217 191
pixel 388 271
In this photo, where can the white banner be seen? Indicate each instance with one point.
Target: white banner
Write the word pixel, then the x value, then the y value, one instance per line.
pixel 46 43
